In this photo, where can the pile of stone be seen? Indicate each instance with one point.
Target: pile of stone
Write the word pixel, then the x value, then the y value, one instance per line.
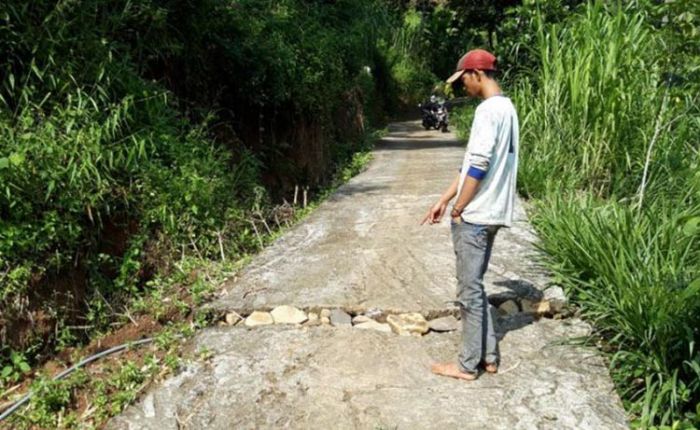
pixel 552 305
pixel 403 324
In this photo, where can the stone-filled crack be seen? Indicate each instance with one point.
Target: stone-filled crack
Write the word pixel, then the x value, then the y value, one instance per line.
pixel 399 321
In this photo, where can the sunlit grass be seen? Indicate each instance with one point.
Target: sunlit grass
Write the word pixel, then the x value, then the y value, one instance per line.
pixel 609 155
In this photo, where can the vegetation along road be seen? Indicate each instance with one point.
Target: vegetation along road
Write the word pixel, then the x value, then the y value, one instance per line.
pixel 168 168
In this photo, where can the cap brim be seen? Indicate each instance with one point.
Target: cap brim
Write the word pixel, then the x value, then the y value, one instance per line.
pixel 456 75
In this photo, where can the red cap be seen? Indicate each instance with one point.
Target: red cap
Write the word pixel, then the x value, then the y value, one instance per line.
pixel 476 59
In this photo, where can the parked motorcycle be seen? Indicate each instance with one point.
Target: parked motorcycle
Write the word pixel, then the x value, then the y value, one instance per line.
pixel 434 113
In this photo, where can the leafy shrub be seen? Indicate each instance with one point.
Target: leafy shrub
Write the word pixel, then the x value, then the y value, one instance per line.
pixel 131 132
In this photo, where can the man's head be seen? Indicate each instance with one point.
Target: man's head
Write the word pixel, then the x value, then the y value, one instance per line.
pixel 475 69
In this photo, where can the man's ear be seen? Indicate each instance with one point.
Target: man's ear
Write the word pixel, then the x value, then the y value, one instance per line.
pixel 480 75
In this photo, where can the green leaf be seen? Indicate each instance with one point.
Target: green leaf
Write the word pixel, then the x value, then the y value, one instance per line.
pixel 6 371
pixel 692 226
pixel 24 367
pixel 50 188
pixel 4 163
pixel 36 71
pixel 16 158
pixel 692 290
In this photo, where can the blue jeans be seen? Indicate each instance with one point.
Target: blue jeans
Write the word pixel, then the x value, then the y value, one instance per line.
pixel 472 245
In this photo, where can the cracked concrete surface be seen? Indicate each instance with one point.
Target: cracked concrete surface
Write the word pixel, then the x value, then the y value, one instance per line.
pixel 364 246
pixel 361 249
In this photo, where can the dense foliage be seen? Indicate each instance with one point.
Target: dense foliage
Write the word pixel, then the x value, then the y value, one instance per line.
pixel 131 131
pixel 610 122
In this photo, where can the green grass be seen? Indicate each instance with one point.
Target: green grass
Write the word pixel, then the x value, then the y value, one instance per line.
pixel 609 158
pixel 633 277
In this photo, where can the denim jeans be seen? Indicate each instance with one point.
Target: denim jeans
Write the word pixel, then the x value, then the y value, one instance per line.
pixel 472 245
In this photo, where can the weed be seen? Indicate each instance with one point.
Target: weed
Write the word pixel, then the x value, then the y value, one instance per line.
pixel 14 370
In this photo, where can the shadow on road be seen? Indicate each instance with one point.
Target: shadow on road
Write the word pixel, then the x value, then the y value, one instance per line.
pixel 508 323
pixel 519 289
pixel 349 190
pixel 416 144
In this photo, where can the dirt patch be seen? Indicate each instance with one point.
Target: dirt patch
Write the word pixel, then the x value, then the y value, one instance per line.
pixel 25 322
pixel 60 297
pixel 141 328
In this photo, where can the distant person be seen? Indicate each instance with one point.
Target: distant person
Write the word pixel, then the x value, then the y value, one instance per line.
pixel 485 190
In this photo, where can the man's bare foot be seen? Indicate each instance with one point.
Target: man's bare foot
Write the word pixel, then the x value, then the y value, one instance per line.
pixel 491 367
pixel 452 370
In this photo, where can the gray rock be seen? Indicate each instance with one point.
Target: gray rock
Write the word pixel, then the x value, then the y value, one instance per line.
pixel 373 313
pixel 448 323
pixel 509 307
pixel 325 313
pixel 535 307
pixel 340 318
pixel 361 319
pixel 557 299
pixel 232 318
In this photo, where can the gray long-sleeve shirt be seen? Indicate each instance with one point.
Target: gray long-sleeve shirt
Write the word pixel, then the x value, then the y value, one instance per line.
pixel 492 157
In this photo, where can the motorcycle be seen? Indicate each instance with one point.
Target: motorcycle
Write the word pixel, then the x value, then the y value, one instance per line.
pixel 434 114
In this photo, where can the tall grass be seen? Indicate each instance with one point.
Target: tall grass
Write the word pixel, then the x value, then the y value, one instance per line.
pixel 632 275
pixel 609 155
pixel 595 102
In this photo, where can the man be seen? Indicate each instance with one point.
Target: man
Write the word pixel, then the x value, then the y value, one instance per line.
pixel 485 190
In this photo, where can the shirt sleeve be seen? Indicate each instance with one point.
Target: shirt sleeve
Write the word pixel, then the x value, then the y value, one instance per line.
pixel 482 139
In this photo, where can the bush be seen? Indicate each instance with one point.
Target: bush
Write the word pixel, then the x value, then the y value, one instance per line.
pixel 610 156
pixel 134 131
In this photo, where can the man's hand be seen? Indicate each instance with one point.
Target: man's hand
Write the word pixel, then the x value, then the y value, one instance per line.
pixel 435 213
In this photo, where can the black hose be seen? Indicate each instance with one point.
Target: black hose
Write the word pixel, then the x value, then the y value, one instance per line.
pixel 9 411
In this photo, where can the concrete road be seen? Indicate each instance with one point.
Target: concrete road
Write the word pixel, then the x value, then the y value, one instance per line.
pixel 363 249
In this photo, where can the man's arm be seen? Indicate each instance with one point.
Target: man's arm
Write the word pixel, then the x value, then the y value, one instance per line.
pixel 450 192
pixel 436 212
pixel 471 186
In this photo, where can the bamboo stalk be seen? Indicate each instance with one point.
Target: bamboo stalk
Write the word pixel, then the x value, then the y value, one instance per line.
pixel 221 246
pixel 657 131
pixel 257 233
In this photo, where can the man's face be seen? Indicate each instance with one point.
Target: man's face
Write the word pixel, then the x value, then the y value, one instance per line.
pixel 471 83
